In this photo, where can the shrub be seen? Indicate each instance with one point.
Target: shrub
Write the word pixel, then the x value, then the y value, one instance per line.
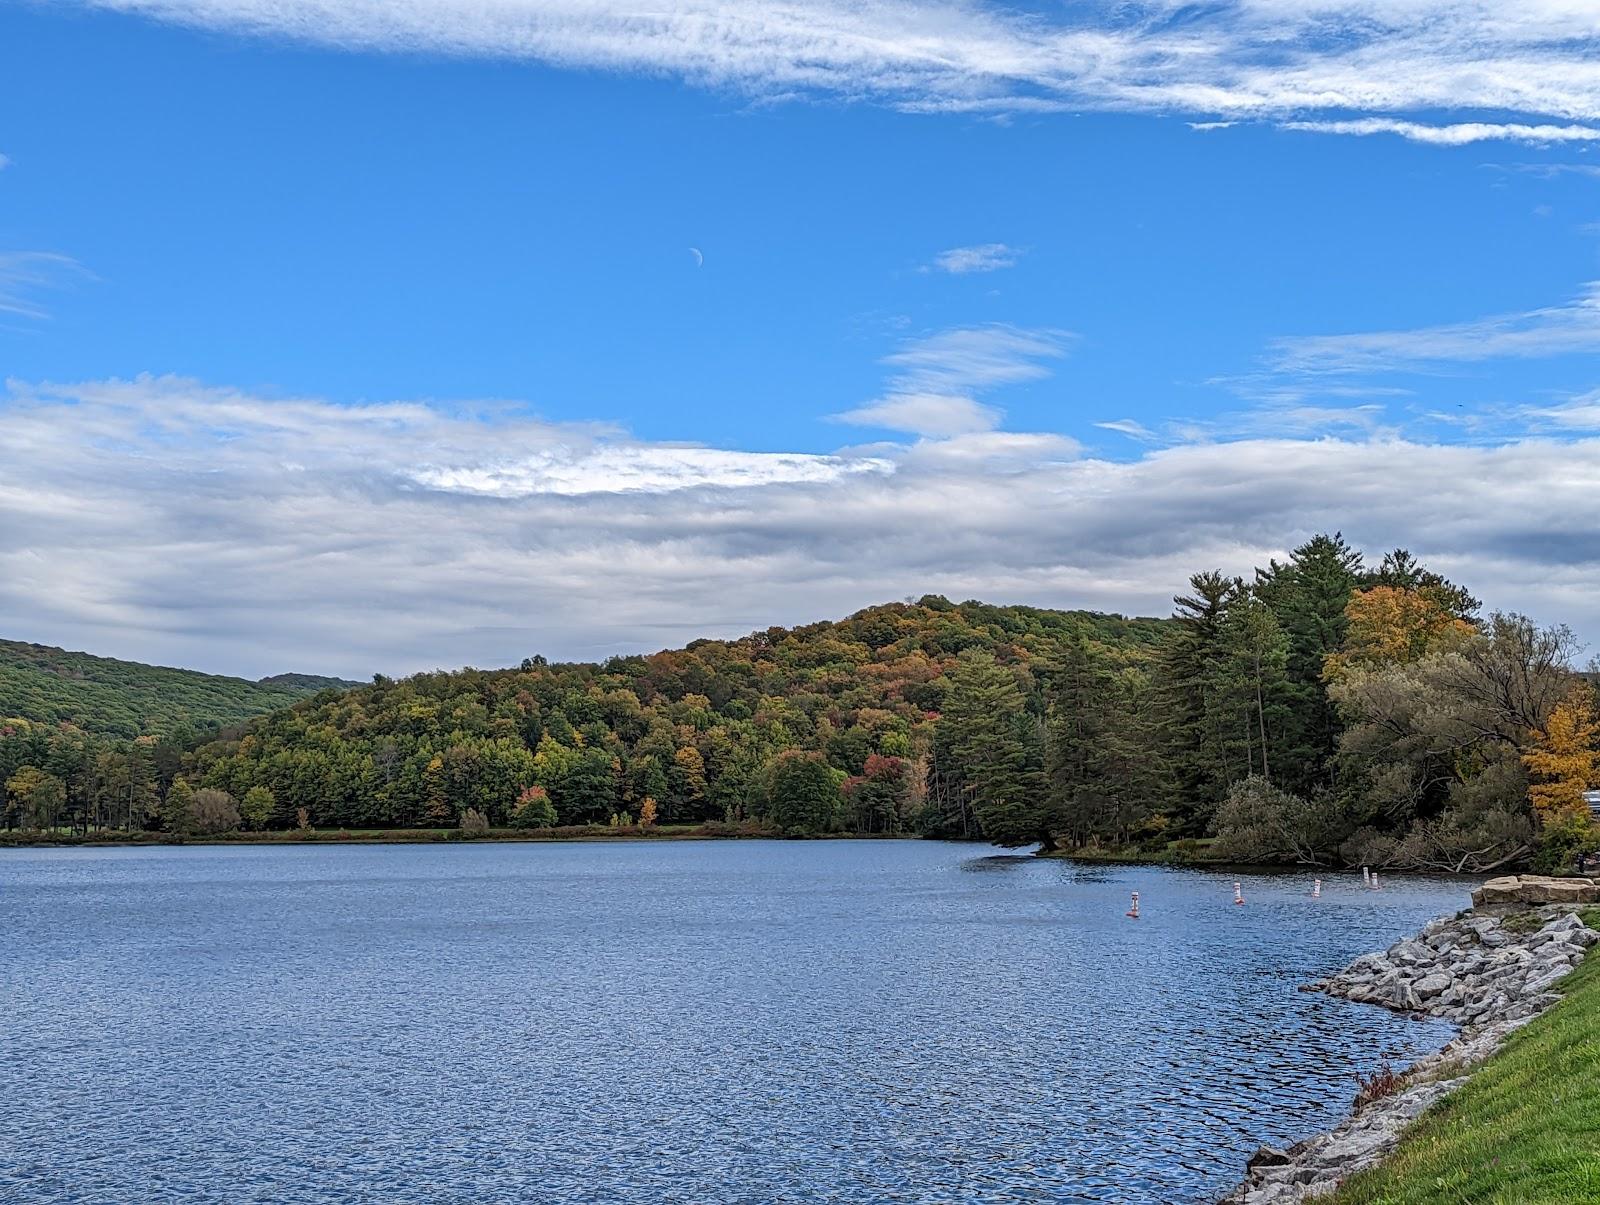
pixel 1561 840
pixel 1385 1081
pixel 474 823
pixel 1259 823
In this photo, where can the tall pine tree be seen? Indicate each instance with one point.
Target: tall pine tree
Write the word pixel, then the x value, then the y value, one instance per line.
pixel 1190 655
pixel 1309 595
pixel 996 741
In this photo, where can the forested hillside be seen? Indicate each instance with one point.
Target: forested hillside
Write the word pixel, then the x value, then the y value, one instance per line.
pixel 104 697
pixel 1322 711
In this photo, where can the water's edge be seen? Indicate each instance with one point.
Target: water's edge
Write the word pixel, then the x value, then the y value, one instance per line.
pixel 1473 969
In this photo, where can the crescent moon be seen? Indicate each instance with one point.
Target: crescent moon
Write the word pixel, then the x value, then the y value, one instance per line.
pixel 699 260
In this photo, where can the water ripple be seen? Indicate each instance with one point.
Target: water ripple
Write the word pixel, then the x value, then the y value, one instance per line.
pixel 655 1022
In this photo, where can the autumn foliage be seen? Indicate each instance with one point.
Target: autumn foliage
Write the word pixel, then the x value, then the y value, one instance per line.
pixel 1390 625
pixel 1562 761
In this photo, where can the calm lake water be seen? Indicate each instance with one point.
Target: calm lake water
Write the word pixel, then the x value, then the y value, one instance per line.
pixel 668 1022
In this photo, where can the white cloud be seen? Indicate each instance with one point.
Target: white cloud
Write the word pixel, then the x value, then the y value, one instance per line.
pixel 1229 60
pixel 5 162
pixel 25 274
pixel 1548 331
pixel 935 414
pixel 932 391
pixel 1132 428
pixel 1573 414
pixel 1459 134
pixel 164 520
pixel 984 257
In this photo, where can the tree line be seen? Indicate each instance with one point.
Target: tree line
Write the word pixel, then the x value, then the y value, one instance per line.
pixel 1321 711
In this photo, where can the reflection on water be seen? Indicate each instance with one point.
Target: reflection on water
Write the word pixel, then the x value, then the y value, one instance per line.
pixel 683 1022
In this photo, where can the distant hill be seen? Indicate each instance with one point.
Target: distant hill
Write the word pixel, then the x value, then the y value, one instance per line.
pixel 125 699
pixel 695 731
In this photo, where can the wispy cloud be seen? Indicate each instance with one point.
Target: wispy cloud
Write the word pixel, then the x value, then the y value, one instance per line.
pixel 171 521
pixel 1549 171
pixel 1458 134
pixel 5 162
pixel 1228 60
pixel 26 274
pixel 1132 428
pixel 1574 414
pixel 933 390
pixel 984 257
pixel 1549 331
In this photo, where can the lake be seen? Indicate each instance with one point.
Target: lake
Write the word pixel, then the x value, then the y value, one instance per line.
pixel 687 1022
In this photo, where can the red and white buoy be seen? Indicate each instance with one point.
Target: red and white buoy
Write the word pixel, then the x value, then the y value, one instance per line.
pixel 1366 876
pixel 1238 894
pixel 1316 889
pixel 1134 911
pixel 1373 883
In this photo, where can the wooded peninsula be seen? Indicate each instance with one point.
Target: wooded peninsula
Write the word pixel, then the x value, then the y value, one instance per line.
pixel 1323 712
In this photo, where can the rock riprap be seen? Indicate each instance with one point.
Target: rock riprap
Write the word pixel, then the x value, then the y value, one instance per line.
pixel 1490 971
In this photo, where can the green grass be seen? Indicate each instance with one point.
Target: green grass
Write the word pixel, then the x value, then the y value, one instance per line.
pixel 1523 922
pixel 1523 1130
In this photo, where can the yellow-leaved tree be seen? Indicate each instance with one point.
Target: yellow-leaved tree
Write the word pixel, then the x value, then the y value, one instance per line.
pixel 1390 625
pixel 1562 761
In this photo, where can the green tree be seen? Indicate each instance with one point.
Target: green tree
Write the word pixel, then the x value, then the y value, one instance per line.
pixel 1197 741
pixel 35 799
pixel 1104 755
pixel 997 743
pixel 802 792
pixel 876 798
pixel 533 809
pixel 177 811
pixel 256 808
pixel 1310 595
pixel 1249 685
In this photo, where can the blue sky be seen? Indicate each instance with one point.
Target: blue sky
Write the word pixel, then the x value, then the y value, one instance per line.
pixel 339 273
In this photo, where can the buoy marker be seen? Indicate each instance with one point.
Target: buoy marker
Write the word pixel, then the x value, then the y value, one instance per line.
pixel 1238 894
pixel 1134 911
pixel 1316 889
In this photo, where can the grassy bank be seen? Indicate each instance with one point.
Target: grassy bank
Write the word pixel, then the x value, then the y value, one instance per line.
pixel 409 836
pixel 1523 1130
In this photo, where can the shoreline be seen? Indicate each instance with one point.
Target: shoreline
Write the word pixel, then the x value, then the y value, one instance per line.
pixel 1490 969
pixel 429 836
pixel 601 833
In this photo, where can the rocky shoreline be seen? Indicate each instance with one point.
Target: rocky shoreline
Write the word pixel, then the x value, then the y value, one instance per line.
pixel 1490 970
